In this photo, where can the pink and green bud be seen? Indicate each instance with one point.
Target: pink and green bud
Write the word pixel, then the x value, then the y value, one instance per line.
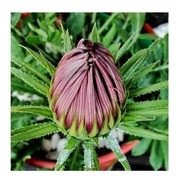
pixel 87 91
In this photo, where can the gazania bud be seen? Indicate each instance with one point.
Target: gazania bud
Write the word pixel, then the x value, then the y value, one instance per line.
pixel 87 91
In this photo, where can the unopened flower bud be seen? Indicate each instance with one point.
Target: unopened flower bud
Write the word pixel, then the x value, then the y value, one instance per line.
pixel 87 91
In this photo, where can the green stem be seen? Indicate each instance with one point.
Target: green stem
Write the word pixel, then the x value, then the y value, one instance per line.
pixel 107 22
pixel 75 155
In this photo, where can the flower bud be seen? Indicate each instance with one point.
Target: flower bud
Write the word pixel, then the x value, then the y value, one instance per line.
pixel 87 91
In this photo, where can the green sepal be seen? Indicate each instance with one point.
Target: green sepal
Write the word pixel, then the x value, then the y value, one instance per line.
pixel 82 134
pixel 111 121
pixel 72 130
pixel 94 130
pixel 105 129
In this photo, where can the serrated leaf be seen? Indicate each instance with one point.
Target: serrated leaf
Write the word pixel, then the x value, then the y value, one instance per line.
pixel 112 144
pixel 149 89
pixel 137 131
pixel 42 60
pixel 156 104
pixel 68 148
pixel 18 85
pixel 33 131
pixel 133 64
pixel 126 46
pixel 142 72
pixel 134 118
pixel 38 110
pixel 90 157
pixel 67 42
pixel 156 156
pixel 31 81
pixel 108 38
pixel 149 112
pixel 141 147
pixel 94 35
pixel 30 68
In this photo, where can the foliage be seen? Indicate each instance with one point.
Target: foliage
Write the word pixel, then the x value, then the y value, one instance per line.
pixel 141 59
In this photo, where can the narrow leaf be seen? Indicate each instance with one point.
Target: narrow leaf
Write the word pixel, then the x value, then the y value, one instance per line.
pixel 156 156
pixel 42 60
pixel 68 148
pixel 30 68
pixel 90 157
pixel 108 38
pixel 94 35
pixel 134 118
pixel 31 81
pixel 133 64
pixel 164 147
pixel 149 89
pixel 147 112
pixel 126 46
pixel 33 131
pixel 38 110
pixel 137 131
pixel 141 147
pixel 142 72
pixel 112 144
pixel 161 104
pixel 67 42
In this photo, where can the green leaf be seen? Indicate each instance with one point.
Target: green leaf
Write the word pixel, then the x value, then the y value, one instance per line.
pixel 134 118
pixel 30 68
pixel 156 104
pixel 141 147
pixel 90 157
pixel 31 81
pixel 126 46
pixel 18 85
pixel 108 38
pixel 68 148
pixel 94 35
pixel 149 112
pixel 67 42
pixel 42 60
pixel 33 39
pixel 16 51
pixel 137 131
pixel 33 131
pixel 112 144
pixel 164 147
pixel 142 72
pixel 38 110
pixel 156 156
pixel 137 20
pixel 149 89
pixel 133 63
pixel 75 23
pixel 15 18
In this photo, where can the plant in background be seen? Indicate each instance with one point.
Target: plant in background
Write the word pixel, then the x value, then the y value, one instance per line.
pixel 89 92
